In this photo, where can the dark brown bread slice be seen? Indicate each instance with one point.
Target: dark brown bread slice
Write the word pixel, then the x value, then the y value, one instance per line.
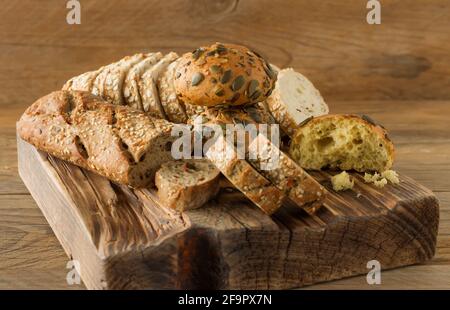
pixel 187 184
pixel 123 145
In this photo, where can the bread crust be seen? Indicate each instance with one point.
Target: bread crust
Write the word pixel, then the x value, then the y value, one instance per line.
pixel 87 131
pixel 223 74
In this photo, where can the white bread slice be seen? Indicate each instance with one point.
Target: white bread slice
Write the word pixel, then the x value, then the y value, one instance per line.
pixel 294 99
pixel 131 84
pixel 148 89
pixel 187 184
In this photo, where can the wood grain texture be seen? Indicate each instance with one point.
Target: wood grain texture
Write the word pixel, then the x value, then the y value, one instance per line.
pixel 406 57
pixel 124 240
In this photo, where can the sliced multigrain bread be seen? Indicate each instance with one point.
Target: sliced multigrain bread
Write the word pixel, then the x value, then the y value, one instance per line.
pixel 244 177
pixel 82 82
pixel 131 93
pixel 187 184
pixel 148 87
pixel 174 110
pixel 285 174
pixel 123 145
pixel 294 99
pixel 113 88
pixel 342 142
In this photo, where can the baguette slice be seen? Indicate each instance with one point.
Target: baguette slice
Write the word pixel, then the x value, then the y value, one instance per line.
pixel 148 88
pixel 123 145
pixel 133 78
pixel 82 82
pixel 294 99
pixel 169 101
pixel 342 142
pixel 244 177
pixel 286 174
pixel 187 184
pixel 113 89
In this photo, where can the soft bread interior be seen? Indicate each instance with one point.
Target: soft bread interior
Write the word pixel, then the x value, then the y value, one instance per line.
pixel 341 143
pixel 302 99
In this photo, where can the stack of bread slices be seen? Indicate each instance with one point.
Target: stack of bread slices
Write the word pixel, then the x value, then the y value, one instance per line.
pixel 117 121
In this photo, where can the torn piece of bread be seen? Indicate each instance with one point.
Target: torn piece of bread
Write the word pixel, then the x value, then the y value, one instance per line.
pixel 342 142
pixel 187 184
pixel 342 181
pixel 294 99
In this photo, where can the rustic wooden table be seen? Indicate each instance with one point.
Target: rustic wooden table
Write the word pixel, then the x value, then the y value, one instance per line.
pixel 397 72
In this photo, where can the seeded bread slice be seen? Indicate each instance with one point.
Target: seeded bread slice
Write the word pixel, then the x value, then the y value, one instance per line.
pixel 113 89
pixel 123 145
pixel 174 110
pixel 286 174
pixel 131 84
pixel 294 99
pixel 82 82
pixel 148 87
pixel 187 184
pixel 244 177
pixel 342 142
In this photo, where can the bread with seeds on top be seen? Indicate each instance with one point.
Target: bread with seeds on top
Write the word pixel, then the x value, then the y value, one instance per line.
pixel 123 145
pixel 223 74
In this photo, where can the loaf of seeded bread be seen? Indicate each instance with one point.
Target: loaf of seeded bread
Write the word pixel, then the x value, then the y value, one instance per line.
pixel 294 99
pixel 342 142
pixel 123 145
pixel 244 177
pixel 187 184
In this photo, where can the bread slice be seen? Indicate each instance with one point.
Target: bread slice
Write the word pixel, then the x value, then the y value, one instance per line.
pixel 187 184
pixel 113 88
pixel 244 177
pixel 131 93
pixel 82 82
pixel 123 145
pixel 342 142
pixel 286 174
pixel 174 110
pixel 148 88
pixel 294 99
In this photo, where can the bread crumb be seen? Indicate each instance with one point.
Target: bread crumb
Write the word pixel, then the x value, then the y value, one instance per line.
pixel 391 176
pixel 380 180
pixel 342 181
pixel 380 183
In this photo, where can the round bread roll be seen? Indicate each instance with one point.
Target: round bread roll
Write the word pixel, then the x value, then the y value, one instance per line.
pixel 223 74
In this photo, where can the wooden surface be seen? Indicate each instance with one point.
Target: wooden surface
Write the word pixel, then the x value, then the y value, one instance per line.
pixel 123 239
pixel 397 72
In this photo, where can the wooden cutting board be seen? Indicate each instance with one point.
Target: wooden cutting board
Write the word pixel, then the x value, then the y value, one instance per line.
pixel 123 239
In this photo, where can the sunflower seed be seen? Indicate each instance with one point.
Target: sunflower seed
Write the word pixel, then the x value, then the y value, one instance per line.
pixel 178 75
pixel 256 95
pixel 269 71
pixel 237 83
pixel 197 78
pixel 226 77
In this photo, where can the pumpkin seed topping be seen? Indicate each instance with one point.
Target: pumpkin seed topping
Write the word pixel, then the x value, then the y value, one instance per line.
pixel 252 87
pixel 219 92
pixel 197 78
pixel 238 83
pixel 197 53
pixel 226 77
pixel 215 69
